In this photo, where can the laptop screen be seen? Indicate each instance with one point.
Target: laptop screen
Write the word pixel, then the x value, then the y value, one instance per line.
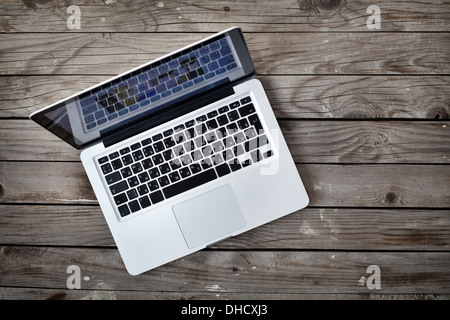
pixel 149 89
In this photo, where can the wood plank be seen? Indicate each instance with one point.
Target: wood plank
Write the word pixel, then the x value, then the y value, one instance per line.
pixel 308 229
pixel 272 53
pixel 255 16
pixel 318 96
pixel 228 272
pixel 309 141
pixel 15 293
pixel 327 185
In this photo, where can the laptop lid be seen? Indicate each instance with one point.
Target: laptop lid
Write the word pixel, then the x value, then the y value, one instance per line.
pixel 152 93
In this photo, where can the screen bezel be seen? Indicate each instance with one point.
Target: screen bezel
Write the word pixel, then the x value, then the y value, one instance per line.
pixel 237 38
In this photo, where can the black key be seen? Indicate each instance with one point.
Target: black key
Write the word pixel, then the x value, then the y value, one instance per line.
pixel 113 155
pixel 157 159
pixel 246 110
pixel 179 137
pixel 153 185
pixel 156 197
pixel 103 160
pixel 135 146
pixel 137 155
pixel 146 141
pixel 222 120
pixel 136 167
pixel 254 120
pixel 120 199
pixel 184 172
pixel 235 105
pixel 118 187
pixel 223 169
pixel 169 142
pixel 132 194
pixel 157 137
pixel 175 164
pixel 189 183
pixel 167 132
pixel 245 100
pixel 143 177
pixel 124 151
pixel 159 146
pixel 234 165
pixel 223 109
pixel 190 133
pixel 163 181
pixel 243 124
pixel 123 210
pixel 195 167
pixel 178 127
pixel 201 118
pixel 134 206
pixel 168 154
pixel 233 115
pixel 113 177
pixel 154 173
pixel 190 123
pixel 142 189
pixel 106 168
pixel 148 151
pixel 174 177
pixel 212 114
pixel 133 181
pixel 144 202
pixel 147 163
pixel 164 168
pixel 212 124
pixel 117 164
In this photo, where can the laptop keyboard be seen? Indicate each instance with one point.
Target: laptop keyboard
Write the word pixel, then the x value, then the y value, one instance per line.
pixel 147 88
pixel 185 156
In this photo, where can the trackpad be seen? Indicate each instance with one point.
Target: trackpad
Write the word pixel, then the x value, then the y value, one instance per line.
pixel 209 216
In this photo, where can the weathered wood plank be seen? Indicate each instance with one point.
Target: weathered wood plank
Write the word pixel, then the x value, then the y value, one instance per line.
pixel 309 141
pixel 327 185
pixel 319 96
pixel 254 16
pixel 13 293
pixel 226 272
pixel 272 53
pixel 308 229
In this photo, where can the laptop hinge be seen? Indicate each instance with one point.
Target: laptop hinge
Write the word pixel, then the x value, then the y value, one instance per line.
pixel 168 113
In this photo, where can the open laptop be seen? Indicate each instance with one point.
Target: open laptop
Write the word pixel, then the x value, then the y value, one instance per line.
pixel 181 152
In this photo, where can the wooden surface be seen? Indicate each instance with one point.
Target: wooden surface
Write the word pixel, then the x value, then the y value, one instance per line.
pixel 365 114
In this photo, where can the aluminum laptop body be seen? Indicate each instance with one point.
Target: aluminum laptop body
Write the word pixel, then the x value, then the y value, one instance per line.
pixel 182 152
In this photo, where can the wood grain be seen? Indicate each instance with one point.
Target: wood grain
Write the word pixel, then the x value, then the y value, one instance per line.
pixel 306 97
pixel 308 229
pixel 252 16
pixel 308 141
pixel 228 272
pixel 272 53
pixel 327 185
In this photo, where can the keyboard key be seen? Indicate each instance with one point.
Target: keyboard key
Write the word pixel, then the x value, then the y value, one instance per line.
pixel 174 177
pixel 234 105
pixel 153 185
pixel 189 183
pixel 142 189
pixel 245 100
pixel 133 182
pixel 134 206
pixel 113 177
pixel 114 155
pixel 127 160
pixel 156 197
pixel 103 160
pixel 116 164
pixel 118 187
pixel 123 210
pixel 246 110
pixel 132 194
pixel 136 168
pixel 124 151
pixel 223 169
pixel 135 146
pixel 144 202
pixel 154 173
pixel 106 168
pixel 120 199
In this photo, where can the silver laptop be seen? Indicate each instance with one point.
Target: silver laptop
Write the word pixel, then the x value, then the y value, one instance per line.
pixel 181 152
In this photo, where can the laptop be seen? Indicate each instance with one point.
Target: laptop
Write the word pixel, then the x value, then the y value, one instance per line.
pixel 181 152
